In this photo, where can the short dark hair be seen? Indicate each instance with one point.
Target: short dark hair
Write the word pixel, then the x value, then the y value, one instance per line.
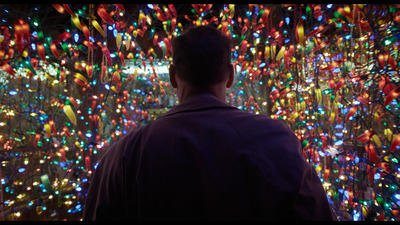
pixel 202 55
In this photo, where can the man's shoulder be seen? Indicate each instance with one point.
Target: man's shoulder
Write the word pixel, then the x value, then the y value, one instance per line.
pixel 126 139
pixel 251 117
pixel 228 114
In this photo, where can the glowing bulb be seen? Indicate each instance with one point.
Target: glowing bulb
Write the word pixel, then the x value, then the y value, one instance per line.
pixel 76 37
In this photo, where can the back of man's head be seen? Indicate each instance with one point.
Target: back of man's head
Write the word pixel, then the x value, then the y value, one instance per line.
pixel 202 56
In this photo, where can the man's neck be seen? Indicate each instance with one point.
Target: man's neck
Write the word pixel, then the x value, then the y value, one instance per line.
pixel 186 92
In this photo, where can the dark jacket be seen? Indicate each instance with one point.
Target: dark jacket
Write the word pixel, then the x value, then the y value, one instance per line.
pixel 207 160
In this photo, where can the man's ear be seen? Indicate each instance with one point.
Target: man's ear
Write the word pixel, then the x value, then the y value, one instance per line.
pixel 231 77
pixel 172 76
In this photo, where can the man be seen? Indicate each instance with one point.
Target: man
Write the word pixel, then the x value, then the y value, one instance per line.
pixel 205 159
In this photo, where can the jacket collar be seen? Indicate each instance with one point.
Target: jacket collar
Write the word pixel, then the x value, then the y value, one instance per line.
pixel 199 102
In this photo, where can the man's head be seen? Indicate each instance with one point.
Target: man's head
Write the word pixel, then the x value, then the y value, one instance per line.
pixel 202 57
